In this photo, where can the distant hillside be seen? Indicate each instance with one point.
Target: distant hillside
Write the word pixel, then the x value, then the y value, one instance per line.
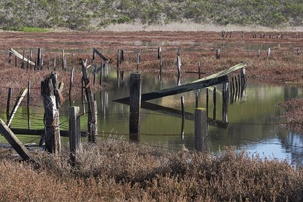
pixel 95 14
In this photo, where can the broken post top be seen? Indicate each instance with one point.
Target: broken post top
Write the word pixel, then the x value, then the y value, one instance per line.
pixel 49 87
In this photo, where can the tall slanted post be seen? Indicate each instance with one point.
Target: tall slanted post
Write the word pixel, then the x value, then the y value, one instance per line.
pixel 52 99
pixel 135 105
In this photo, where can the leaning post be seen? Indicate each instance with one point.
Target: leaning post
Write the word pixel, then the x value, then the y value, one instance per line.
pixel 135 105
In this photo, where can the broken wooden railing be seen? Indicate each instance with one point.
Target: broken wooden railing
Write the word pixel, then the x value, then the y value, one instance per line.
pixel 140 99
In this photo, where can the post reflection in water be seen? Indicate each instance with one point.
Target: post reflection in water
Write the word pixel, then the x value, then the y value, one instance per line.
pixel 251 122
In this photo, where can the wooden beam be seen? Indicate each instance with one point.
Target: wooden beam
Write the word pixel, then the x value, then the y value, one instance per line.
pixel 100 54
pixel 21 56
pixel 211 80
pixel 14 141
pixel 63 133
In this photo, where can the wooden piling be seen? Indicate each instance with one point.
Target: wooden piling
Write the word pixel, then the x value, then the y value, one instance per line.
pixel 74 133
pixel 218 56
pixel 199 70
pixel 8 103
pixel 135 105
pixel 201 129
pixel 39 58
pixel 91 123
pixel 9 56
pixel 52 99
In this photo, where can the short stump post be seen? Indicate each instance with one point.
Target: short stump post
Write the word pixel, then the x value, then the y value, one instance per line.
pixel 201 129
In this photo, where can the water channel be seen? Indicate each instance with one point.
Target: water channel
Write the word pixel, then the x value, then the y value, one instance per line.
pixel 253 119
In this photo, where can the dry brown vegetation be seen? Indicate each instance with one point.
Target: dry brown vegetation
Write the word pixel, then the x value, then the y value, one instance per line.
pixel 120 171
pixel 115 170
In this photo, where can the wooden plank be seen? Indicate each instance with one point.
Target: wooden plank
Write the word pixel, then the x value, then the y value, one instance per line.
pixel 18 102
pixel 211 80
pixel 14 141
pixel 100 54
pixel 63 133
pixel 20 56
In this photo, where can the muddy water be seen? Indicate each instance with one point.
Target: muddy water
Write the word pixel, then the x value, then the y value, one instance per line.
pixel 253 119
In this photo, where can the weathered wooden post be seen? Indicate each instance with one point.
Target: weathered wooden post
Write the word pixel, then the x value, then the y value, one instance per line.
pixel 91 123
pixel 52 99
pixel 63 63
pixel 39 58
pixel 201 129
pixel 10 56
pixel 218 56
pixel 8 103
pixel 135 105
pixel 74 133
pixel 199 70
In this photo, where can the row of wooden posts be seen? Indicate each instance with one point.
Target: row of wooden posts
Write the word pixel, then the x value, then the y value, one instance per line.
pixel 51 93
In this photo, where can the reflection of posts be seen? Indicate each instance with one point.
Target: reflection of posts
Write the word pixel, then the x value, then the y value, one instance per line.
pixel 52 99
pixel 215 103
pixel 224 102
pixel 135 105
pixel 183 117
pixel 201 129
pixel 92 126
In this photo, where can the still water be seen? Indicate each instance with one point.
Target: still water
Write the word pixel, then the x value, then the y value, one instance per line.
pixel 253 119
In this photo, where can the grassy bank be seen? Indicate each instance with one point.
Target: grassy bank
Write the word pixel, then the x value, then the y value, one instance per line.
pixel 88 15
pixel 115 170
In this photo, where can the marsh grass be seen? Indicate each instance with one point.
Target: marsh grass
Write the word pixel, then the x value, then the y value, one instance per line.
pixel 115 170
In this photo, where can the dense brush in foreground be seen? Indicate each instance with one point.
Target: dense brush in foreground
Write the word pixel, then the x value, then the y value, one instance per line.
pixel 120 171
